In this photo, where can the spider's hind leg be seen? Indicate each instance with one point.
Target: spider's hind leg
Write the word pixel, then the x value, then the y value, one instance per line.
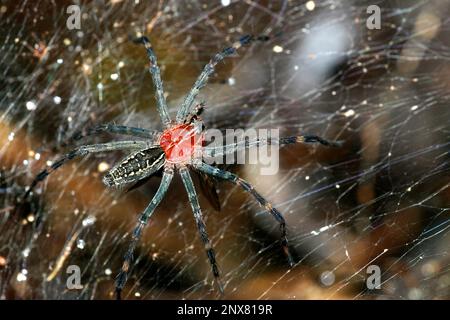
pixel 193 200
pixel 309 139
pixel 143 220
pixel 225 175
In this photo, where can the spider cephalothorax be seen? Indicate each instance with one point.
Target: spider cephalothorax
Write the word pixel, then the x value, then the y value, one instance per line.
pixel 179 147
pixel 182 142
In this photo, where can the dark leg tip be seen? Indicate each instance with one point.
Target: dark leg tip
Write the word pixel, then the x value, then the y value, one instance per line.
pixel 288 256
pixel 291 262
pixel 323 141
pixel 246 39
pixel 118 294
pixel 220 287
pixel 141 40
pixel 121 279
pixel 263 38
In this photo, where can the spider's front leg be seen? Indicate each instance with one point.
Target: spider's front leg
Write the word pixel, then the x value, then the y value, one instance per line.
pixel 156 77
pixel 142 222
pixel 206 73
pixel 225 175
pixel 112 128
pixel 193 200
pixel 212 152
pixel 83 151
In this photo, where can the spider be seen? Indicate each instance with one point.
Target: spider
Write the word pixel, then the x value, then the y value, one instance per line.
pixel 173 150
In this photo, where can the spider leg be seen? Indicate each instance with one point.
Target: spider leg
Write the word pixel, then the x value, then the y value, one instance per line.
pixel 111 128
pixel 211 152
pixel 142 222
pixel 206 73
pixel 82 151
pixel 225 175
pixel 309 139
pixel 156 76
pixel 193 199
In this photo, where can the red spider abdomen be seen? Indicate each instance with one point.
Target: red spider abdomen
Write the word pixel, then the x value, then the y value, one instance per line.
pixel 180 143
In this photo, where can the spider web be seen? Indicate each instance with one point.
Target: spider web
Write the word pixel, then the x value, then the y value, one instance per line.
pixel 382 199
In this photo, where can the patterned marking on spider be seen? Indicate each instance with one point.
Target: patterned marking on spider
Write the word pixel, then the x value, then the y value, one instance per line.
pixel 172 150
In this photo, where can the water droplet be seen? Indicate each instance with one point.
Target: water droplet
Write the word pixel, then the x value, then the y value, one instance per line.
pixel 277 49
pixel 81 244
pixel 26 252
pixel 103 166
pixel 88 221
pixel 327 278
pixel 21 277
pixel 349 113
pixel 310 5
pixel 31 105
pixel 57 99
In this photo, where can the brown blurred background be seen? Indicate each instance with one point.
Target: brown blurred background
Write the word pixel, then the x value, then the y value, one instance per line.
pixel 382 199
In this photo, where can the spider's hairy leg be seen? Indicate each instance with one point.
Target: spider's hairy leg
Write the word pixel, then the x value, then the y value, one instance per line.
pixel 211 152
pixel 115 129
pixel 193 200
pixel 156 76
pixel 309 139
pixel 225 175
pixel 82 151
pixel 142 222
pixel 206 73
